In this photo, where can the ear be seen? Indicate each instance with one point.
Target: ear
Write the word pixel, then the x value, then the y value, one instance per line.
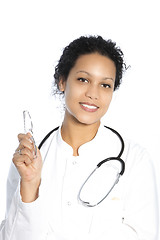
pixel 62 84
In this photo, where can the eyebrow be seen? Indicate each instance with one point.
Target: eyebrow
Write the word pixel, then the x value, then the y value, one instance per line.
pixel 106 78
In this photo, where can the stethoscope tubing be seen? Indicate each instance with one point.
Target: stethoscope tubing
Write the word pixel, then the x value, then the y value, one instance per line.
pixel 118 158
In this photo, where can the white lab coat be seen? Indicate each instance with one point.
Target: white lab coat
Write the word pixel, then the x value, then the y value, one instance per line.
pixel 130 212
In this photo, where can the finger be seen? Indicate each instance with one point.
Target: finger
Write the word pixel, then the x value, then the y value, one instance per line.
pixel 23 135
pixel 27 160
pixel 27 152
pixel 26 143
pixel 26 140
pixel 27 137
pixel 21 159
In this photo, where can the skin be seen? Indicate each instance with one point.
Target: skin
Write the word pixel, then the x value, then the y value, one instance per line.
pixel 88 91
pixel 28 167
pixel 90 81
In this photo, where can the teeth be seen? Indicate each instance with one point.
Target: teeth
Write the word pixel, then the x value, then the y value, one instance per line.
pixel 89 106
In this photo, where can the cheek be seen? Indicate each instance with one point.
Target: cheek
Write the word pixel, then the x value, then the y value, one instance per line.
pixel 72 93
pixel 107 99
pixel 70 97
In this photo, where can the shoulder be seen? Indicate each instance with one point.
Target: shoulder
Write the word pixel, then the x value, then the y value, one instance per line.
pixel 135 151
pixel 134 155
pixel 138 162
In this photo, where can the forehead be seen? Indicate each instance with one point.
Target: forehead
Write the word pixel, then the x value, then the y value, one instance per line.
pixel 94 63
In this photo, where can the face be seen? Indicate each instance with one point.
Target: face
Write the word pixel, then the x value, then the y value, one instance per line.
pixel 89 88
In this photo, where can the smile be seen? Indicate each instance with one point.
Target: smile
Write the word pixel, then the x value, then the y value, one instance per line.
pixel 89 107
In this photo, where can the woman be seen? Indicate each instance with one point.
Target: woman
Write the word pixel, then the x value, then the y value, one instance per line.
pixel 42 191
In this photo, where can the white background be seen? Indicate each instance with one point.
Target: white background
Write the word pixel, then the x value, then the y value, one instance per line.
pixel 32 36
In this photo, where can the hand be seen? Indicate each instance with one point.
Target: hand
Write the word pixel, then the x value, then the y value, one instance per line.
pixel 28 166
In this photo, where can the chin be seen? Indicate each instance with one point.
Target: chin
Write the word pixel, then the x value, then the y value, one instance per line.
pixel 87 121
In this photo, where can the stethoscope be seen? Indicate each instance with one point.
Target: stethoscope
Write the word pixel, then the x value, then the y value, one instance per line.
pixel 99 165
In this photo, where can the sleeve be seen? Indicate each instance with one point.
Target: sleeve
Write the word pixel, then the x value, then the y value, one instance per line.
pixel 141 196
pixel 23 220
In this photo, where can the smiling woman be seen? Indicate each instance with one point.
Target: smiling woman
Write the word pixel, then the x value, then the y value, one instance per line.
pixel 89 88
pixel 43 192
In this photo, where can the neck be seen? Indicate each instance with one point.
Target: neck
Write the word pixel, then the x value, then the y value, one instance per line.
pixel 76 134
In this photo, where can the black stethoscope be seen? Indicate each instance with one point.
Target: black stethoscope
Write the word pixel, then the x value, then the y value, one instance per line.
pixel 101 164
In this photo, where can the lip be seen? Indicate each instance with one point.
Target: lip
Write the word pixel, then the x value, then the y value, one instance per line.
pixel 88 107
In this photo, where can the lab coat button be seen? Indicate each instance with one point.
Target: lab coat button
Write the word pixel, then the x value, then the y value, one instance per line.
pixel 69 203
pixel 74 162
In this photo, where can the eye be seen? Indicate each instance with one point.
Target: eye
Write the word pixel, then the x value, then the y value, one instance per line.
pixel 106 85
pixel 82 80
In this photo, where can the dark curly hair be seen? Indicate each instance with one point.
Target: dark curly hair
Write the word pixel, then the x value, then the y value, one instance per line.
pixel 88 45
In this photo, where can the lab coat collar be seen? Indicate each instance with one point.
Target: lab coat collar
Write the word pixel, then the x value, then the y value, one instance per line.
pixel 91 145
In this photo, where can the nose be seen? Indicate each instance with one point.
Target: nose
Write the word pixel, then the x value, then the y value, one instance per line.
pixel 92 92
